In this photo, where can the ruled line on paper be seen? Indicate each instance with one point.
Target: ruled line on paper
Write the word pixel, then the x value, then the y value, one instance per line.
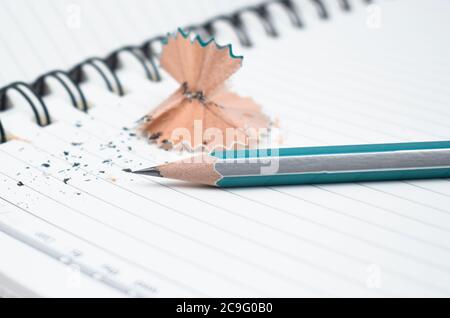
pixel 133 237
pixel 108 251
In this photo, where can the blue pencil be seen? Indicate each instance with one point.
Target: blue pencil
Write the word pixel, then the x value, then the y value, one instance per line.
pixel 312 165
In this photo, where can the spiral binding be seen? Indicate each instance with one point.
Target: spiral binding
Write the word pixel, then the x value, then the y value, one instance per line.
pixel 22 88
pixel 2 133
pixel 146 54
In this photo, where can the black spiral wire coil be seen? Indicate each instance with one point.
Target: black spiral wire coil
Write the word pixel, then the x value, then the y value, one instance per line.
pixel 2 133
pixel 147 56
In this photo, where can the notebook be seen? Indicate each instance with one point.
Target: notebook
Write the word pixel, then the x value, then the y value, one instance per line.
pixel 73 224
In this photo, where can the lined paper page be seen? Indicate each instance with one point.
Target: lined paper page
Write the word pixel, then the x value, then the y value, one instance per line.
pixel 66 201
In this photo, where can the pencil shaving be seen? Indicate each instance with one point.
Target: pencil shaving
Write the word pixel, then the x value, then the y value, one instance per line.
pixel 203 105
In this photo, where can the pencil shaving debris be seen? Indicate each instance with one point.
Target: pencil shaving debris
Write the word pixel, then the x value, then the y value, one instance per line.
pixel 202 105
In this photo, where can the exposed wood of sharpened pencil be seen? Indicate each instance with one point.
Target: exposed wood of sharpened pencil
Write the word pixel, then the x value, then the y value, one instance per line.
pixel 199 169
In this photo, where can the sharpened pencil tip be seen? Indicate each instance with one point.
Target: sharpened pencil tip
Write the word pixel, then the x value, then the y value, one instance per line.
pixel 152 172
